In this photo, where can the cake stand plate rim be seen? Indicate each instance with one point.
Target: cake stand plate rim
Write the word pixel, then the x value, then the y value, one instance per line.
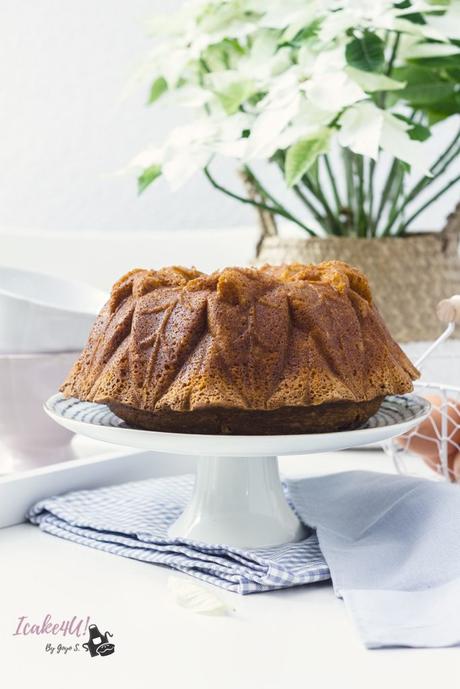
pixel 94 420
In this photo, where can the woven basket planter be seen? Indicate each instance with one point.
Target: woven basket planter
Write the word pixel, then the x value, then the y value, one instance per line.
pixel 408 275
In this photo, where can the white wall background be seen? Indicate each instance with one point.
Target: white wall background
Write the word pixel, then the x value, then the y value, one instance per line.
pixel 69 122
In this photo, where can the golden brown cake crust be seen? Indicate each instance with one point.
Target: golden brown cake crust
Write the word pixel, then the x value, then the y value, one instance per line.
pixel 176 341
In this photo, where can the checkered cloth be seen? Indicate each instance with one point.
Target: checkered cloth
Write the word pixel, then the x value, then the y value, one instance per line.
pixel 132 520
pixel 391 543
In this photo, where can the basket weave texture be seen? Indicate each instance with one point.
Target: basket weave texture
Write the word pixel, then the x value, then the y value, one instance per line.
pixel 408 275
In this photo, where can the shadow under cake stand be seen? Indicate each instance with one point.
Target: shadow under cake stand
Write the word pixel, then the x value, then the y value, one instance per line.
pixel 238 498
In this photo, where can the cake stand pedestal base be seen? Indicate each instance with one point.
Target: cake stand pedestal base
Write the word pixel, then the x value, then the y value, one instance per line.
pixel 238 501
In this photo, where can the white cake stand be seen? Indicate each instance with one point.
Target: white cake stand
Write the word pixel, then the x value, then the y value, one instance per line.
pixel 238 498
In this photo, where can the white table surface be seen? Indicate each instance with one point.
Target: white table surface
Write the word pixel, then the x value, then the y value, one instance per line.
pixel 298 637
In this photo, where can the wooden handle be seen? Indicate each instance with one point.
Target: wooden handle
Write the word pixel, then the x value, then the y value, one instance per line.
pixel 448 310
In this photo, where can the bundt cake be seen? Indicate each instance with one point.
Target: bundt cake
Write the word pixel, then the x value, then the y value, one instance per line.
pixel 275 350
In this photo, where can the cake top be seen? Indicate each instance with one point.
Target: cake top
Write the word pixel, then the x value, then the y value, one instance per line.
pixel 240 285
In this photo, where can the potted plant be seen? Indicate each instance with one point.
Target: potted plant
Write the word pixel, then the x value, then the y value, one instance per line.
pixel 341 97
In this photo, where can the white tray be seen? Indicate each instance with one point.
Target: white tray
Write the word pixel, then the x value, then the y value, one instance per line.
pixel 21 489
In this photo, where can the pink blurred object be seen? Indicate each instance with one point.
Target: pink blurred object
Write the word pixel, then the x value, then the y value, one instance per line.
pixel 28 438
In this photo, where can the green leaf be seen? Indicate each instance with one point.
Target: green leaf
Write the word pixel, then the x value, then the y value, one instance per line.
pixel 424 94
pixel 301 155
pixel 417 132
pixel 439 61
pixel 370 81
pixel 235 94
pixel 157 89
pixel 255 98
pixel 414 17
pixel 148 176
pixel 366 53
pixel 441 110
pixel 223 55
pixel 304 34
pixel 453 74
pixel 424 86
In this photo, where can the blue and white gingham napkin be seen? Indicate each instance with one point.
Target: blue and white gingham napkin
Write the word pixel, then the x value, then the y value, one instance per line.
pixel 132 520
pixel 391 545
